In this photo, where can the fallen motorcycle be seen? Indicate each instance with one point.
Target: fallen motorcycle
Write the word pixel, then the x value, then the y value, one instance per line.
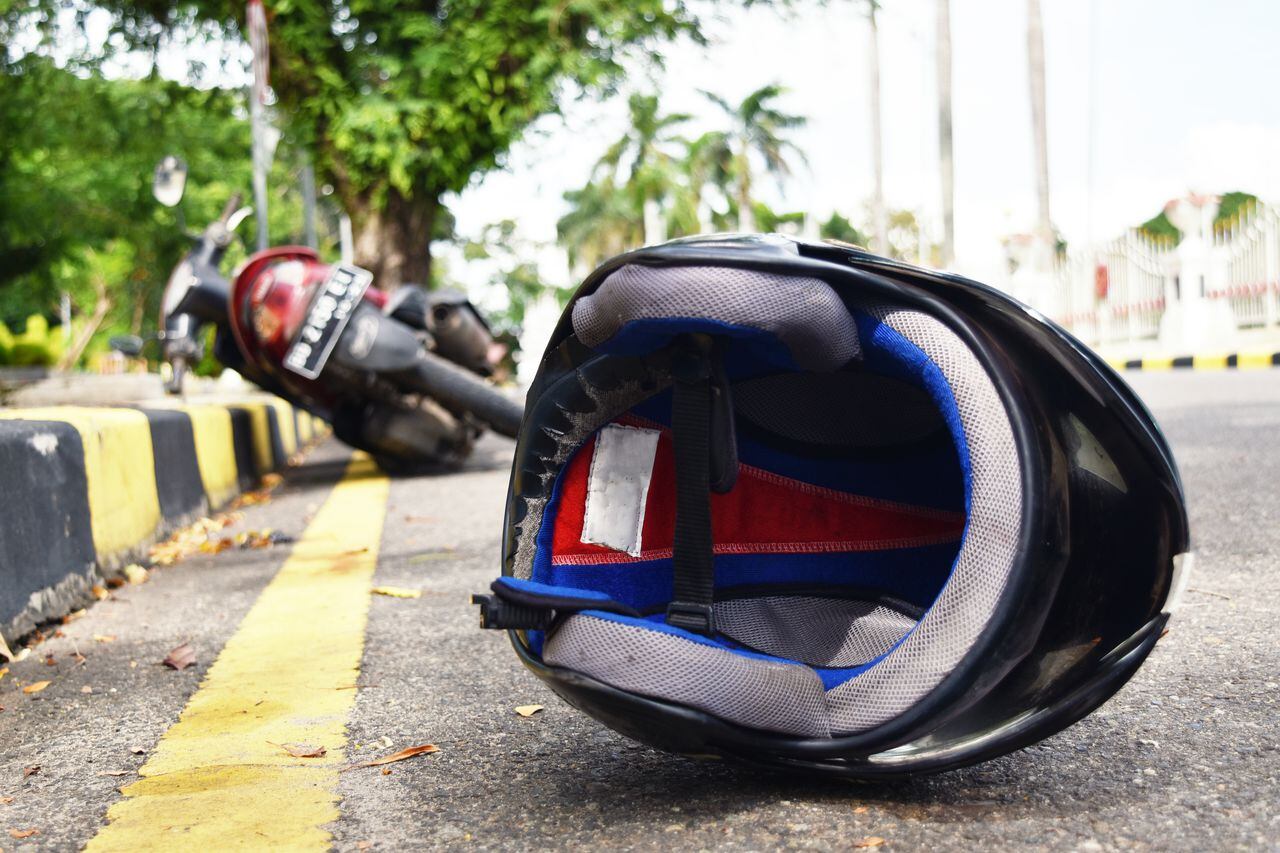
pixel 401 376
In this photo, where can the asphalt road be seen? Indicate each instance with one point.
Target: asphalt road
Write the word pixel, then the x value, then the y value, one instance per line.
pixel 1185 757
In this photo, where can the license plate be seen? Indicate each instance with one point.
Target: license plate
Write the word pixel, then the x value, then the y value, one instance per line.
pixel 331 308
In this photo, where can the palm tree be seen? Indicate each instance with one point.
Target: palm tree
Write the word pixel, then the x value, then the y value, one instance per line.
pixel 879 224
pixel 601 223
pixel 758 130
pixel 642 160
pixel 1039 127
pixel 946 164
pixel 708 163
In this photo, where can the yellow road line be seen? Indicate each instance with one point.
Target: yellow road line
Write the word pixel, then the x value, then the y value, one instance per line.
pixel 214 779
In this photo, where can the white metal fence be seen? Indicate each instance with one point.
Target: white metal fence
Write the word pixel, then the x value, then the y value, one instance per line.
pixel 1248 267
pixel 1120 291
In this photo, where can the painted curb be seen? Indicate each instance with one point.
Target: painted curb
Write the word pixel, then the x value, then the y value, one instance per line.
pixel 85 490
pixel 1206 361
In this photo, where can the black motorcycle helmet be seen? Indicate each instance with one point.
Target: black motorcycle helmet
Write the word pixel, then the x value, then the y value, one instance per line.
pixel 803 506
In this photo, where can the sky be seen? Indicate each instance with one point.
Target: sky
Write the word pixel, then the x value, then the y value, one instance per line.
pixel 1182 96
pixel 1147 100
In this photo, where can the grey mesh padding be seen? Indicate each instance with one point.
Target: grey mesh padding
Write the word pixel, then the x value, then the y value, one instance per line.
pixel 828 632
pixel 788 697
pixel 804 313
pixel 982 567
pixel 844 409
pixel 761 694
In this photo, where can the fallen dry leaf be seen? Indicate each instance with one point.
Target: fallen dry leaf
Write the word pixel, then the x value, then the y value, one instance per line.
pixel 72 616
pixel 364 845
pixel 397 591
pixel 23 833
pixel 86 689
pixel 861 810
pixel 180 657
pixel 30 771
pixel 302 750
pixel 869 841
pixel 36 687
pixel 4 670
pixel 99 592
pixel 409 752
pixel 50 660
pixel 115 772
pixel 135 574
pixel 6 800
pixel 104 638
pixel 138 750
pixel 4 650
pixel 528 710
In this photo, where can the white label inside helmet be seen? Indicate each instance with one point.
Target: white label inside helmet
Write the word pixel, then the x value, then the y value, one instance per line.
pixel 618 486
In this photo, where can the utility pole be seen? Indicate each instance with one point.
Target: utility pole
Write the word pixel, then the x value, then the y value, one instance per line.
pixel 256 18
pixel 946 163
pixel 1039 123
pixel 880 226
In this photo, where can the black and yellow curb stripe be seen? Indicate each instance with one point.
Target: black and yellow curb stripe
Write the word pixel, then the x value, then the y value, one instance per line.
pixel 84 490
pixel 1208 361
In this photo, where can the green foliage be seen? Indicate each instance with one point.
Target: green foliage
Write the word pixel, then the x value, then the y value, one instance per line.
pixel 404 101
pixel 1160 228
pixel 1232 206
pixel 37 346
pixel 515 279
pixel 837 227
pixel 650 163
pixel 76 158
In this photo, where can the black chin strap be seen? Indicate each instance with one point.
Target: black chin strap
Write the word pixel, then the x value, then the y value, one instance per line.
pixel 699 399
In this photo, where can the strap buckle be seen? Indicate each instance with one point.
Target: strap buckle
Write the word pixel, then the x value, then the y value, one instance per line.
pixel 697 618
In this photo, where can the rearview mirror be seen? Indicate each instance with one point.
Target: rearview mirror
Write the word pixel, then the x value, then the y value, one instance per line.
pixel 130 345
pixel 170 181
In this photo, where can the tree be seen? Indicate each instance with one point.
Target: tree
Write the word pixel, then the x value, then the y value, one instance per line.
pixel 946 162
pixel 838 227
pixel 708 162
pixel 758 130
pixel 879 225
pixel 642 160
pixel 1039 124
pixel 602 222
pixel 405 101
pixel 76 158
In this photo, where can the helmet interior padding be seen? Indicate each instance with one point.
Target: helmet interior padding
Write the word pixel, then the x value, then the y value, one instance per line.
pixel 864 546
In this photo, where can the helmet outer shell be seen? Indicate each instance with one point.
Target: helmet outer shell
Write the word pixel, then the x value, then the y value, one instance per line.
pixel 1104 518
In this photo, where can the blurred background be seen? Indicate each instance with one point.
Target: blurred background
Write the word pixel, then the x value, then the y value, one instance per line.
pixel 1111 164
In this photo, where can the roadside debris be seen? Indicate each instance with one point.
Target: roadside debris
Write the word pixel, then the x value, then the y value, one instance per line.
pixel 528 710
pixel 869 841
pixel 260 495
pixel 410 752
pixel 180 657
pixel 23 833
pixel 36 687
pixel 135 574
pixel 397 592
pixel 301 750
pixel 30 771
